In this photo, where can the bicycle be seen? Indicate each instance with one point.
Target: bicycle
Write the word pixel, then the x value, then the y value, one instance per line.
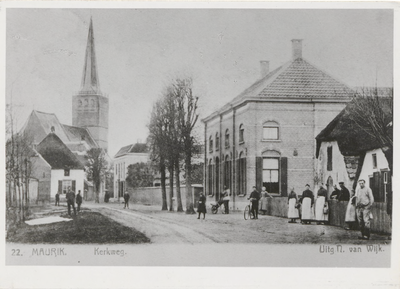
pixel 215 207
pixel 248 214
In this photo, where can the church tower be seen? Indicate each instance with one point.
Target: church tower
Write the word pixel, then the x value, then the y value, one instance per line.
pixel 90 105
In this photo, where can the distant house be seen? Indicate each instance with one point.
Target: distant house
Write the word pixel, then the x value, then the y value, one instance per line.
pixel 77 139
pixel 346 153
pixel 57 168
pixel 265 136
pixel 127 155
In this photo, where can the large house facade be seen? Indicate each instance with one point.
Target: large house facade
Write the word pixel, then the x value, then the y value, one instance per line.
pixel 266 135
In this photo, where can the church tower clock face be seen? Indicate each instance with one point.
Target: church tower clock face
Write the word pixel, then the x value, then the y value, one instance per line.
pixel 90 106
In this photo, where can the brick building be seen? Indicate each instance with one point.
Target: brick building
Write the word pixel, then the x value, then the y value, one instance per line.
pixel 266 135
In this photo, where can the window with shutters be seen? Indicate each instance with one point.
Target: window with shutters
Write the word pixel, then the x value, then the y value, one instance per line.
pixel 210 179
pixel 270 130
pixel 241 175
pixel 329 162
pixel 227 172
pixel 65 185
pixel 217 179
pixel 270 175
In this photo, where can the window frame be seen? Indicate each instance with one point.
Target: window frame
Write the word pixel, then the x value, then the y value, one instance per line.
pixel 329 158
pixel 241 133
pixel 227 144
pixel 271 125
pixel 278 170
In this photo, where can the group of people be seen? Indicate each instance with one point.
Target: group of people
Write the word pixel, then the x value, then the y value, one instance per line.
pixel 358 208
pixel 307 208
pixel 71 199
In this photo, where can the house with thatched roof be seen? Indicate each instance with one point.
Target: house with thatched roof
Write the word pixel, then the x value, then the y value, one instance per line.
pixel 347 152
pixel 266 135
pixel 57 168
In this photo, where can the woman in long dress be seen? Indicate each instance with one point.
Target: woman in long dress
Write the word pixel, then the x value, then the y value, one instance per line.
pixel 293 212
pixel 264 200
pixel 350 217
pixel 307 201
pixel 320 203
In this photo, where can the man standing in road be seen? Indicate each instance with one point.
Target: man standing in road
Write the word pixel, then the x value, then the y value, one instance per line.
pixel 70 201
pixel 126 200
pixel 79 200
pixel 364 201
pixel 254 197
pixel 58 199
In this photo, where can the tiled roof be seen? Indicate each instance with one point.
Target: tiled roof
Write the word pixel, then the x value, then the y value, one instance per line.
pixel 57 154
pixel 77 134
pixel 123 150
pixel 133 148
pixel 301 79
pixel 297 79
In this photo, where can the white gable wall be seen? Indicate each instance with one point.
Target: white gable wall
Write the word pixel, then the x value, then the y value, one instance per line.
pixel 58 175
pixel 368 169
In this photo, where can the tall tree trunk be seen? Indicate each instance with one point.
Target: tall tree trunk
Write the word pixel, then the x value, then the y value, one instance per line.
pixel 178 187
pixel 188 172
pixel 163 188
pixel 171 187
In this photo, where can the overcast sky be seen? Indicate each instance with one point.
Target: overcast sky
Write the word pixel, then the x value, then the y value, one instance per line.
pixel 139 50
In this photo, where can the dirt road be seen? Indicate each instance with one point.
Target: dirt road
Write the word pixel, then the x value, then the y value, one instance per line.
pixel 171 227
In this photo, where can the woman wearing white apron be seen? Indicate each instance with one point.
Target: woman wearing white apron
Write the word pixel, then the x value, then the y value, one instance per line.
pixel 293 212
pixel 350 217
pixel 307 201
pixel 320 203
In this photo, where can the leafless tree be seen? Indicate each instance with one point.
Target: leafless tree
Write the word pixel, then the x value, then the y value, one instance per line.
pixel 187 118
pixel 372 112
pixel 96 167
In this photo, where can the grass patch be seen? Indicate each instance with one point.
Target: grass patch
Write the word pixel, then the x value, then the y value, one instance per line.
pixel 85 228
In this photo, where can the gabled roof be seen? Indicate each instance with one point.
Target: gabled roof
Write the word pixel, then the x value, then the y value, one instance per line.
pixel 78 134
pixel 39 125
pixel 133 148
pixel 295 80
pixel 57 154
pixel 352 140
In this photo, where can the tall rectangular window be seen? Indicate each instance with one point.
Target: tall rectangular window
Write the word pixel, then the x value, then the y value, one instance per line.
pixel 270 177
pixel 329 164
pixel 374 161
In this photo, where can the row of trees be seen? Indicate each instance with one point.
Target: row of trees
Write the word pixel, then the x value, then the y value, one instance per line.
pixel 171 139
pixel 18 171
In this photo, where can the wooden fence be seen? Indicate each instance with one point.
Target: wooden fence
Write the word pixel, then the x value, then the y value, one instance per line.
pixel 337 211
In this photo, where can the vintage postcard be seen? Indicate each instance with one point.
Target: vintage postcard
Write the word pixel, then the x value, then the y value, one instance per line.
pixel 201 135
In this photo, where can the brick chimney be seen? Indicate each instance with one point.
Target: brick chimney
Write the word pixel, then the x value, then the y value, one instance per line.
pixel 264 65
pixel 297 48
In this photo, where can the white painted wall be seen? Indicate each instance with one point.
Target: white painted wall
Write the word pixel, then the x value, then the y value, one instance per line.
pixel 368 169
pixel 58 175
pixel 339 172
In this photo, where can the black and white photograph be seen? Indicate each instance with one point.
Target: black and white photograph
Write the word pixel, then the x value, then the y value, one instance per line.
pixel 207 136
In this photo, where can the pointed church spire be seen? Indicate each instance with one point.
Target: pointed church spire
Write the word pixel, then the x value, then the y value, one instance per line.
pixel 90 80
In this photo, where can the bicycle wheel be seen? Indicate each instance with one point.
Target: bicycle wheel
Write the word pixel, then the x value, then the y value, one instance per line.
pixel 214 209
pixel 247 212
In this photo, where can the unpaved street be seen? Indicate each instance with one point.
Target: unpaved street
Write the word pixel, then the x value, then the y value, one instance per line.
pixel 164 227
